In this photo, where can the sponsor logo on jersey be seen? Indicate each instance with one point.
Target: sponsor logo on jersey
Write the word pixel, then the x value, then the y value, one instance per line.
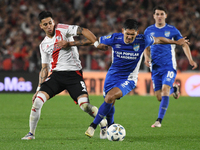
pixel 152 33
pixel 167 33
pixel 117 45
pixel 136 47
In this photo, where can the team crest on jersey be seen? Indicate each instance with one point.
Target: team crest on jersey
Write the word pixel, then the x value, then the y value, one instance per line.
pixel 109 36
pixel 167 33
pixel 136 47
pixel 58 38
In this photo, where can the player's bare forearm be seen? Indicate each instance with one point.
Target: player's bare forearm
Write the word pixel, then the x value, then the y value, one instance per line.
pixel 84 42
pixel 43 74
pixel 147 60
pixel 147 52
pixel 87 33
pixel 188 54
pixel 162 40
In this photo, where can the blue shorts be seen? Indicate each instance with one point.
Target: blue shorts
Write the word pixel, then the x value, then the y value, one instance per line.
pixel 165 77
pixel 124 85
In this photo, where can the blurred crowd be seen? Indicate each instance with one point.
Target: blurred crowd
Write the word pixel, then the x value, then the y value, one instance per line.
pixel 20 34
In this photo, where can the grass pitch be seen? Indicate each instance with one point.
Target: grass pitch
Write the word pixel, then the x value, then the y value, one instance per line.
pixel 62 124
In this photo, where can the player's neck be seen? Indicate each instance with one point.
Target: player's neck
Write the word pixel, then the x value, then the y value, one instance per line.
pixel 160 25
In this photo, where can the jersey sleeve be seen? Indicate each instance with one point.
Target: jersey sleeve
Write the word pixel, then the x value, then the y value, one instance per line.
pixel 177 34
pixel 44 56
pixel 72 30
pixel 149 40
pixel 146 31
pixel 107 40
pixel 68 30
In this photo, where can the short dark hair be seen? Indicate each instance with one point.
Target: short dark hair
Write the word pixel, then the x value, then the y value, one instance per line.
pixel 130 24
pixel 159 8
pixel 44 14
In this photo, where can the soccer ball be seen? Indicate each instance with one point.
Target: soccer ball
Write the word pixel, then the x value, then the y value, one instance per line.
pixel 116 132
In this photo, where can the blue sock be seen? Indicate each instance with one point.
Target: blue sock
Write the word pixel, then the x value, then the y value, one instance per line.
pixel 110 116
pixel 172 90
pixel 163 106
pixel 103 111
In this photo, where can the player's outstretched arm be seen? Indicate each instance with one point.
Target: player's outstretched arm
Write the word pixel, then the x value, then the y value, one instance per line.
pixel 162 40
pixel 87 33
pixel 64 44
pixel 187 52
pixel 84 42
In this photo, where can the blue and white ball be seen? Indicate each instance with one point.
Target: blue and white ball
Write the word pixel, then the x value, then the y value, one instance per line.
pixel 116 132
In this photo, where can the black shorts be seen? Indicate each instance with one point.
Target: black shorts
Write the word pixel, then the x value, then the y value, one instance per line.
pixel 72 81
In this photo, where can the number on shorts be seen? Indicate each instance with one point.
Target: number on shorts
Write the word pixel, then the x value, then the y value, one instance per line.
pixel 83 85
pixel 170 74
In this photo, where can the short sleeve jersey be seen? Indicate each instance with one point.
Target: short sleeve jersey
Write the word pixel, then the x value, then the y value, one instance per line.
pixel 126 58
pixel 65 59
pixel 163 55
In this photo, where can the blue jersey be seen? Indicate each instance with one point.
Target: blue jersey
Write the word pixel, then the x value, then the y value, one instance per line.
pixel 126 58
pixel 163 55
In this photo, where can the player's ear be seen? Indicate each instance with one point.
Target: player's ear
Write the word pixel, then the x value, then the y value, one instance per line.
pixel 123 30
pixel 40 26
pixel 137 32
pixel 166 16
pixel 53 21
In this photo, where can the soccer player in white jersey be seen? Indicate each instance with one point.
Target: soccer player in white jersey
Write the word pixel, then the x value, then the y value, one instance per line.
pixel 121 78
pixel 162 62
pixel 66 69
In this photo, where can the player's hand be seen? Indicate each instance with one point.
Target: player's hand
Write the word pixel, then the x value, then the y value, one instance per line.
pixel 147 62
pixel 102 47
pixel 34 96
pixel 62 44
pixel 182 41
pixel 194 64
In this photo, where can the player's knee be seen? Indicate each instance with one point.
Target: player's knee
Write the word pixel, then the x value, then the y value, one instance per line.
pixel 159 98
pixel 39 100
pixel 110 98
pixel 83 103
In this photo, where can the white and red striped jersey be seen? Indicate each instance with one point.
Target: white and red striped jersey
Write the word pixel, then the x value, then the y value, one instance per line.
pixel 65 59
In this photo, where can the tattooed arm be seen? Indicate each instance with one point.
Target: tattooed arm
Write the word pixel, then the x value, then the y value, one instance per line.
pixel 64 44
pixel 91 39
pixel 42 76
pixel 84 42
pixel 87 33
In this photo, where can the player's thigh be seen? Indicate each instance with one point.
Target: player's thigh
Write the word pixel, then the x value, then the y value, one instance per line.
pixel 77 89
pixel 124 85
pixel 157 82
pixel 51 86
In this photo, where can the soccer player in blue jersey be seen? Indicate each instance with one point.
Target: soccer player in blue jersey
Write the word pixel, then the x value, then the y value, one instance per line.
pixel 162 62
pixel 122 76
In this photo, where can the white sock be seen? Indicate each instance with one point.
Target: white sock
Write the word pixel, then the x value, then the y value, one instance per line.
pixel 35 111
pixel 90 109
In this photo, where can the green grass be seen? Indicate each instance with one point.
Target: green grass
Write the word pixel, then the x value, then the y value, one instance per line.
pixel 62 124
